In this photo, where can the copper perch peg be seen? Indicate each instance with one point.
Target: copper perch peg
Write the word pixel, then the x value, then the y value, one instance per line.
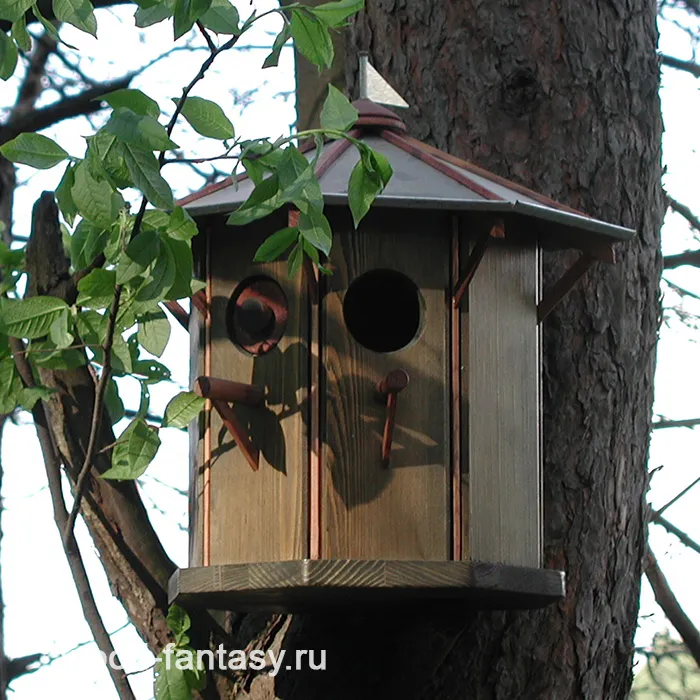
pixel 224 390
pixel 250 452
pixel 389 388
pixel 221 392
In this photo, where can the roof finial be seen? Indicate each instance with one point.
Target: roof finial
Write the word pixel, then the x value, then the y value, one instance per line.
pixel 374 87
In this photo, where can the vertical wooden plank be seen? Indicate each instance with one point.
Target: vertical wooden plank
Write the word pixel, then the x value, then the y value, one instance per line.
pixel 260 516
pixel 196 444
pixel 503 405
pixel 456 399
pixel 370 511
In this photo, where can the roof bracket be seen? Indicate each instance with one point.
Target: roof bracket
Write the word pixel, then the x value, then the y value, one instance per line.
pixel 475 257
pixel 563 286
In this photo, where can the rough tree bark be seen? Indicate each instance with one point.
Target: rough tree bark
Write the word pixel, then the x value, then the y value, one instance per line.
pixel 562 96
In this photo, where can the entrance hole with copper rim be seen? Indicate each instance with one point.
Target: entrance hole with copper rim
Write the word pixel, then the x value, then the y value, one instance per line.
pixel 256 315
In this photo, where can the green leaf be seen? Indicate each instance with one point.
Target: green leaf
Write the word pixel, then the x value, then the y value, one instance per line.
pixel 96 289
pixel 298 180
pixel 145 172
pixel 176 677
pixel 315 229
pixel 182 256
pixel 337 113
pixel 154 331
pixel 45 354
pixel 106 159
pixel 113 402
pixel 178 622
pixel 12 10
pixel 135 100
pixel 95 199
pixel 207 118
pixel 294 260
pixel 134 451
pixel 64 196
pixel 49 28
pixel 146 17
pixel 21 35
pixel 139 130
pixel 368 178
pixel 8 57
pixel 161 276
pixel 152 371
pixel 140 253
pixel 181 226
pixel 263 200
pixel 87 241
pixel 59 332
pixel 222 18
pixel 280 40
pixel 10 386
pixel 311 38
pixel 79 13
pixel 35 150
pixel 182 409
pixel 30 318
pixel 334 14
pixel 187 12
pixel 276 244
pixel 11 259
pixel 28 397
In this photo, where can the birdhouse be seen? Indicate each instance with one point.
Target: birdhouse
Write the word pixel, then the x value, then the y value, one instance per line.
pixel 374 435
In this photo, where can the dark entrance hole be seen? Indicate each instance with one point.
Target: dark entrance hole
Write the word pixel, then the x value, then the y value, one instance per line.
pixel 382 310
pixel 256 316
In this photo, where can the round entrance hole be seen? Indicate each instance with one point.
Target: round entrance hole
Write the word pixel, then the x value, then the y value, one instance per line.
pixel 256 315
pixel 383 310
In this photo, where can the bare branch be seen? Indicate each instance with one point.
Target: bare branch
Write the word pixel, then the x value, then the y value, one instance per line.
pixel 75 561
pixel 670 527
pixel 677 63
pixel 689 257
pixel 671 607
pixel 86 102
pixel 663 423
pixel 678 496
pixel 684 211
pixel 81 483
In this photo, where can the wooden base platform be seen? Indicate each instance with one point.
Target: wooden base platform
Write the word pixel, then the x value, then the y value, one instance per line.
pixel 307 585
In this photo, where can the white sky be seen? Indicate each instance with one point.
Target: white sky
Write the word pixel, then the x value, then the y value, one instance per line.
pixel 42 612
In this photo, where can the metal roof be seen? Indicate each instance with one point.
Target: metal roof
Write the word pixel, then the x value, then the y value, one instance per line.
pixel 424 178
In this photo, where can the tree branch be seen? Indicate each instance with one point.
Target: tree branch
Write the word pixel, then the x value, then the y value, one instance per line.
pixel 81 483
pixel 86 102
pixel 678 64
pixel 689 257
pixel 663 423
pixel 75 561
pixel 670 527
pixel 672 609
pixel 684 211
pixel 678 496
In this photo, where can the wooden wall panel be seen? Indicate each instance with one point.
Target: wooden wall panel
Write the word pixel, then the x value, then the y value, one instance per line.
pixel 501 368
pixel 196 446
pixel 369 511
pixel 260 516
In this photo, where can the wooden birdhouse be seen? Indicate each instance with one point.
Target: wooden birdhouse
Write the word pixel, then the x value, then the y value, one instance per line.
pixel 375 434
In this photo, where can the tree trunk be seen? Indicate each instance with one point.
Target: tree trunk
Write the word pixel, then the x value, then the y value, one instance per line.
pixel 563 97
